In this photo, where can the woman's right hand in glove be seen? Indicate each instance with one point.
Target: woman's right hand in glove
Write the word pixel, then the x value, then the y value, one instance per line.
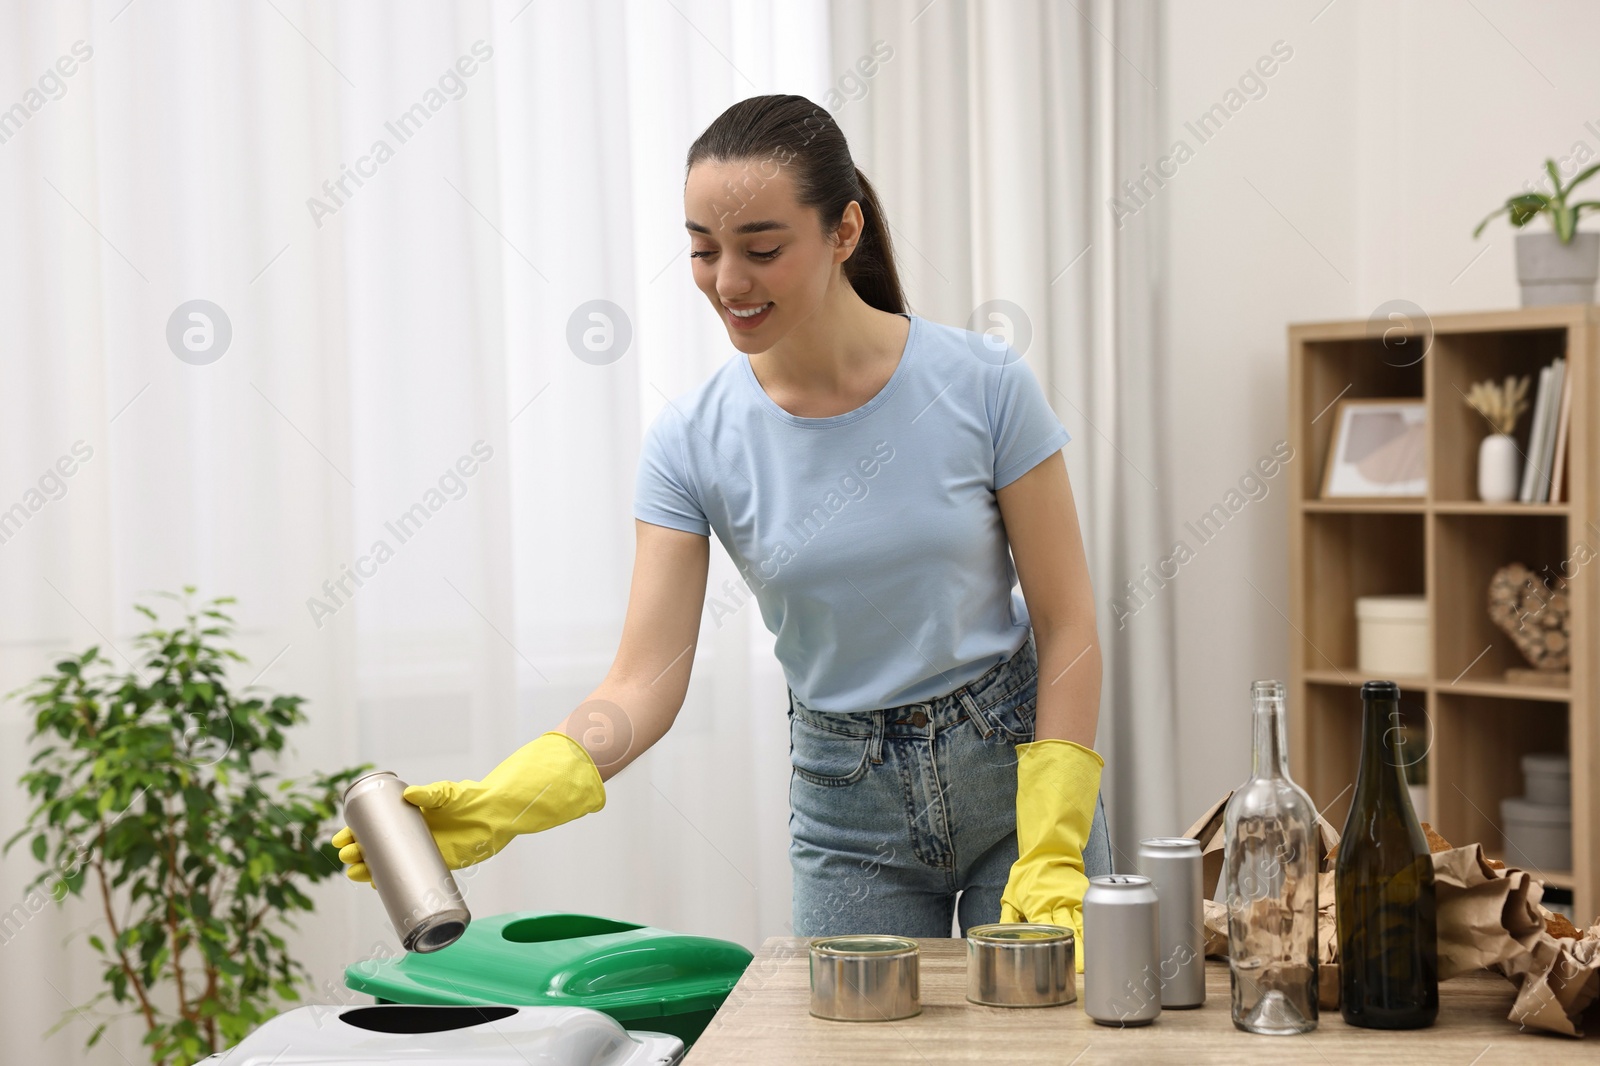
pixel 549 780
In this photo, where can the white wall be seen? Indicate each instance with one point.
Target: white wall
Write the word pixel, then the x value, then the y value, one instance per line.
pixel 1356 179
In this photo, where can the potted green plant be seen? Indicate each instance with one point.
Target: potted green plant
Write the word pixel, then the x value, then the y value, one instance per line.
pixel 1561 266
pixel 153 790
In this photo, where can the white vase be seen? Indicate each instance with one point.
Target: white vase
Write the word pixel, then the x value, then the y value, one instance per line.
pixel 1497 469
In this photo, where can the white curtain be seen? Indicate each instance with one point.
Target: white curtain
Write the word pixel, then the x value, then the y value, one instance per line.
pixel 998 133
pixel 383 327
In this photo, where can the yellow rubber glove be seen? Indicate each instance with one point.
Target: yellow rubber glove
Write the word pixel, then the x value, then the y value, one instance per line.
pixel 1058 783
pixel 549 780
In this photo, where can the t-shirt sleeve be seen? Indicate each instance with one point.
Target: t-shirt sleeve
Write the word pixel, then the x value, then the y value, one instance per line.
pixel 662 494
pixel 1026 429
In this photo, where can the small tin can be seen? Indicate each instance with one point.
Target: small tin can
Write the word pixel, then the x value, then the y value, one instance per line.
pixel 1121 944
pixel 424 904
pixel 864 978
pixel 1020 964
pixel 1173 865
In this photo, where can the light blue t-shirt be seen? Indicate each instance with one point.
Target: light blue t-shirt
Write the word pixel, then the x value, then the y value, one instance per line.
pixel 872 540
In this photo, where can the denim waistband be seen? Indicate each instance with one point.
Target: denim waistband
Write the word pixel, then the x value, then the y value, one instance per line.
pixel 930 716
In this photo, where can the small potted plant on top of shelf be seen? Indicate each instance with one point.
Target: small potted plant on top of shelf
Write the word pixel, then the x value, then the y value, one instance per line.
pixel 1560 267
pixel 1501 406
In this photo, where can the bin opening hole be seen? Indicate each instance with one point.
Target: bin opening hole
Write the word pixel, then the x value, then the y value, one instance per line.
pixel 410 1018
pixel 561 927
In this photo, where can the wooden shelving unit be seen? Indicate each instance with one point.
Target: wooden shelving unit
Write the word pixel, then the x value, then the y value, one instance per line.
pixel 1445 547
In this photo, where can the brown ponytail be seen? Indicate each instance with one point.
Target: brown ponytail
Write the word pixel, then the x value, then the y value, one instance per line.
pixel 794 132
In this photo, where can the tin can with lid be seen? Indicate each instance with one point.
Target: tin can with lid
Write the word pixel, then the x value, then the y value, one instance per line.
pixel 422 899
pixel 1174 865
pixel 1021 964
pixel 1121 942
pixel 865 978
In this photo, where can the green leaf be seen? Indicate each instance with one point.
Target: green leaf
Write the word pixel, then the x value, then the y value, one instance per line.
pixel 1525 208
pixel 18 835
pixel 1564 220
pixel 1582 175
pixel 1488 218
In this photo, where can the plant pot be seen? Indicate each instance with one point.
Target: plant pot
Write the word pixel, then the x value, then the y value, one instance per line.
pixel 1554 273
pixel 1498 467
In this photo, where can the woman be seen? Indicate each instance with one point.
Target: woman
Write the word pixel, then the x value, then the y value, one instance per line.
pixel 873 475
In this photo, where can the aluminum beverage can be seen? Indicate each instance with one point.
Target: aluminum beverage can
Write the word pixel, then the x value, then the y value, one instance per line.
pixel 424 904
pixel 1121 945
pixel 1173 865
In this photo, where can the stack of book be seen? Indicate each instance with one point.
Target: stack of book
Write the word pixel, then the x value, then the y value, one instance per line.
pixel 1546 453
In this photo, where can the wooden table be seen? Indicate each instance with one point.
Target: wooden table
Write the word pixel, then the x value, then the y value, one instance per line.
pixel 766 1020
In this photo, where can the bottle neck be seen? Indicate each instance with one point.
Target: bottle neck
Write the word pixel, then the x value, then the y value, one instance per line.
pixel 1382 751
pixel 1271 750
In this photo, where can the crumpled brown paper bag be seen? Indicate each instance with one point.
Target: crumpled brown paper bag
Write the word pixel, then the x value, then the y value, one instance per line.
pixel 1489 918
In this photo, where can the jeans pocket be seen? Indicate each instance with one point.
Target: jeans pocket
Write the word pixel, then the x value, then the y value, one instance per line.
pixel 1012 714
pixel 826 757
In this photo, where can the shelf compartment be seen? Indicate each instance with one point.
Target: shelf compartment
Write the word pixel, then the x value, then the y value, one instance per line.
pixel 1460 360
pixel 1476 761
pixel 1468 549
pixel 1331 717
pixel 1345 369
pixel 1349 554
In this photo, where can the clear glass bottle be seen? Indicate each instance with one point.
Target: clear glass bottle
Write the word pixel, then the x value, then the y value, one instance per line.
pixel 1269 883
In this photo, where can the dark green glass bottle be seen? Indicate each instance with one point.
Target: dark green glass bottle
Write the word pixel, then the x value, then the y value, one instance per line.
pixel 1383 883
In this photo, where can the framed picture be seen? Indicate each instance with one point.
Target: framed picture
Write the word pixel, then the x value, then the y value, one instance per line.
pixel 1379 448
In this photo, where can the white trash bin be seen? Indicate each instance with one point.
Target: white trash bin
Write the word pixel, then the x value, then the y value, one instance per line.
pixel 446 1036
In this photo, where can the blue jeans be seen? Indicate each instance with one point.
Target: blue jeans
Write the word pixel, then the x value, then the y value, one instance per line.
pixel 893 812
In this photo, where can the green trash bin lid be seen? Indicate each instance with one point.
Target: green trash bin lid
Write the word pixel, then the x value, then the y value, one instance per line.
pixel 538 958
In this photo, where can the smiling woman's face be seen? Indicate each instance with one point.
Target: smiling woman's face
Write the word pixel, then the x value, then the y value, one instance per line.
pixel 754 248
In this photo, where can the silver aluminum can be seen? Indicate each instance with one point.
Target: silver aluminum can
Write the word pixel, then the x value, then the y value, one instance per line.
pixel 1173 865
pixel 864 978
pixel 425 906
pixel 1121 945
pixel 1021 964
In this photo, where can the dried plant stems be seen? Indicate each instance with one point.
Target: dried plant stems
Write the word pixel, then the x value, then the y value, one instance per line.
pixel 1502 405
